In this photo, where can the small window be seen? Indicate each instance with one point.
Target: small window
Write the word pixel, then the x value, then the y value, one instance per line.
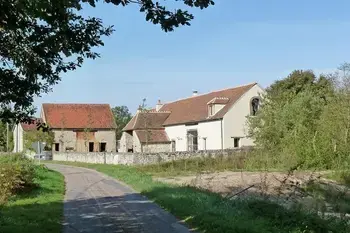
pixel 57 147
pixel 254 106
pixel 211 110
pixel 103 147
pixel 91 147
pixel 173 145
pixel 236 142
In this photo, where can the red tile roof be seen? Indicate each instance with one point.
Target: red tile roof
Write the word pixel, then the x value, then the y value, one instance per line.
pixel 147 120
pixel 79 116
pixel 152 136
pixel 195 109
pixel 33 125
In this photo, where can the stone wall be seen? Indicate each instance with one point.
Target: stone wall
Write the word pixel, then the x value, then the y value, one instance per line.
pixel 139 158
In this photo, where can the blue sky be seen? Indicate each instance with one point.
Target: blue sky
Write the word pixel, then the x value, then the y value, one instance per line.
pixel 229 44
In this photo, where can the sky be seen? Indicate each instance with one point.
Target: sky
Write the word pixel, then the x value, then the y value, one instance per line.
pixel 232 43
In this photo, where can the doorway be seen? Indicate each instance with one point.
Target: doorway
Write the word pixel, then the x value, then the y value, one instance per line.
pixel 192 140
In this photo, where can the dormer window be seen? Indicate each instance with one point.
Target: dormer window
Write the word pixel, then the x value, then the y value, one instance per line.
pixel 216 104
pixel 254 106
pixel 211 110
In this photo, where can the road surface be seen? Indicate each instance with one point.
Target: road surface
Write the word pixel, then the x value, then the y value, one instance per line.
pixel 99 204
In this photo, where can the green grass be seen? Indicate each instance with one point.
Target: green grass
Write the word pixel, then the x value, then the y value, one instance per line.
pixel 210 213
pixel 37 211
pixel 209 164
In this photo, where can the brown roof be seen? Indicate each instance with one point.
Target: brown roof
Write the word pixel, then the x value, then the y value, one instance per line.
pixel 152 136
pixel 33 125
pixel 79 116
pixel 219 100
pixel 195 109
pixel 147 120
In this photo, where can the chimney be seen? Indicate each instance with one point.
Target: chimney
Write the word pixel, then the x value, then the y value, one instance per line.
pixel 139 109
pixel 159 105
pixel 194 93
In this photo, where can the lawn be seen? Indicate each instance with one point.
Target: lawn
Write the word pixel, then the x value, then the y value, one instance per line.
pixel 37 211
pixel 209 212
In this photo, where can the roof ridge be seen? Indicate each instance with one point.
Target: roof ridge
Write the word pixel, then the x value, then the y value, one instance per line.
pixel 157 112
pixel 192 97
pixel 75 104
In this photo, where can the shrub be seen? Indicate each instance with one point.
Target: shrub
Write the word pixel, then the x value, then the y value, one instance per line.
pixel 17 173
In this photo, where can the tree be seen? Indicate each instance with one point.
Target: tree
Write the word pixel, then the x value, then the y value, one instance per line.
pixel 122 116
pixel 39 135
pixel 3 137
pixel 286 125
pixel 40 39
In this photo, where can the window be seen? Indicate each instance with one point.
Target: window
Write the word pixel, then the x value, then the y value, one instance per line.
pixel 205 143
pixel 254 106
pixel 211 110
pixel 103 147
pixel 173 145
pixel 57 147
pixel 91 147
pixel 236 142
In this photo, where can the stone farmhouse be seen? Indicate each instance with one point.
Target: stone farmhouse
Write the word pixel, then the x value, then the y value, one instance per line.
pixel 76 127
pixel 212 121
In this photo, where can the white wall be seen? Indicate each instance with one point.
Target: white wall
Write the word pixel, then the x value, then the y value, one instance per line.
pixel 18 138
pixel 235 120
pixel 211 130
pixel 178 134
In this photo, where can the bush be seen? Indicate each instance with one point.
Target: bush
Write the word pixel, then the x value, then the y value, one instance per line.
pixel 17 173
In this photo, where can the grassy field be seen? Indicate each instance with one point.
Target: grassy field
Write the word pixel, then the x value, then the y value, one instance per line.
pixel 40 210
pixel 198 165
pixel 209 212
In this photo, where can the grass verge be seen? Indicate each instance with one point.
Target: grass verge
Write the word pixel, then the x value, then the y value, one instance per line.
pixel 209 212
pixel 38 211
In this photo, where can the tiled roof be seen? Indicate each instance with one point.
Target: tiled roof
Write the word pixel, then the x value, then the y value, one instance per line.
pixel 152 136
pixel 79 116
pixel 147 120
pixel 195 109
pixel 33 125
pixel 219 100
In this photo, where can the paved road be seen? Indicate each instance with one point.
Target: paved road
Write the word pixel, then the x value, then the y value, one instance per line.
pixel 99 204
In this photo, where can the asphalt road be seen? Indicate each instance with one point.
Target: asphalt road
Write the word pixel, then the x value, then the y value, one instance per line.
pixel 99 204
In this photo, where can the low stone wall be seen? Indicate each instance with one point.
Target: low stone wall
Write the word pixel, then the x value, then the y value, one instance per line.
pixel 141 159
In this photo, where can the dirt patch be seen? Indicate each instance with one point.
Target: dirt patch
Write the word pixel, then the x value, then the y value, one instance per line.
pixel 307 188
pixel 226 183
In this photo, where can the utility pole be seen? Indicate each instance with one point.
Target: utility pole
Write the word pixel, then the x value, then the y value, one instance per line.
pixel 7 137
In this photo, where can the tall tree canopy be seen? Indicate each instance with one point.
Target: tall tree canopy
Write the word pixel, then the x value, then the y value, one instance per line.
pixel 122 116
pixel 40 39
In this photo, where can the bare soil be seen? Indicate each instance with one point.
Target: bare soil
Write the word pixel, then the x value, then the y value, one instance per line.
pixel 284 188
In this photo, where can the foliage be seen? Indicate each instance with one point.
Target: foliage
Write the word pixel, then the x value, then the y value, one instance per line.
pixel 41 39
pixel 38 210
pixel 3 137
pixel 209 212
pixel 38 135
pixel 296 124
pixel 122 116
pixel 16 174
